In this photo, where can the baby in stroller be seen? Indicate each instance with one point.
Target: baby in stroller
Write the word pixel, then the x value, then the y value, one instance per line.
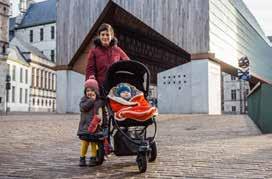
pixel 127 102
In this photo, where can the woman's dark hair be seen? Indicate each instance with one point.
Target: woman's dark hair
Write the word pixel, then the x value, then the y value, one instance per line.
pixel 106 27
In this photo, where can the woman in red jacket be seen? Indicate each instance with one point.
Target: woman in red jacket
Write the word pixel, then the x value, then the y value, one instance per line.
pixel 101 57
pixel 104 54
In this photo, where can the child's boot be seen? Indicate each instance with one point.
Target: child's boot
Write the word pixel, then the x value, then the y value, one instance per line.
pixel 82 162
pixel 92 162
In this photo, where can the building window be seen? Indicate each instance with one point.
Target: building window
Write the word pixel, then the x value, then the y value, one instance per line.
pixel 8 69
pixel 26 76
pixel 49 80
pixel 42 79
pixel 42 102
pixel 41 34
pixel 52 55
pixel 33 101
pixel 26 95
pixel 233 95
pixel 13 94
pixel 46 103
pixel 233 108
pixel 4 49
pixel 49 102
pixel 21 75
pixel 33 76
pixel 53 82
pixel 37 77
pixel 38 102
pixel 233 77
pixel 14 73
pixel 52 32
pixel 45 80
pixel 7 96
pixel 31 36
pixel 21 95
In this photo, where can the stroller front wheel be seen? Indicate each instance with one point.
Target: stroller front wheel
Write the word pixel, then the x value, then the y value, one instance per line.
pixel 142 162
pixel 152 154
pixel 100 153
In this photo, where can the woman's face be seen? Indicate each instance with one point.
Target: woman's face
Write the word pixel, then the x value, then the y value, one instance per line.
pixel 105 37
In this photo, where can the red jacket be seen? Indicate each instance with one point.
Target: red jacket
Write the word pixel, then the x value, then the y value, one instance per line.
pixel 101 58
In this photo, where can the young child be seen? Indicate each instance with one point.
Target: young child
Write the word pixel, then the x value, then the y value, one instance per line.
pixel 124 91
pixel 89 105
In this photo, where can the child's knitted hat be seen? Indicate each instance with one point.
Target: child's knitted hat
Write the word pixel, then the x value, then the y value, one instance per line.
pixel 92 83
pixel 122 87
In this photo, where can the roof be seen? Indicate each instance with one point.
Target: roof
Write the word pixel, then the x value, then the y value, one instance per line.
pixel 40 13
pixel 26 47
pixel 16 55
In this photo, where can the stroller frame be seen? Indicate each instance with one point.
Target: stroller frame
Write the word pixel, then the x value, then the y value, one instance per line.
pixel 133 73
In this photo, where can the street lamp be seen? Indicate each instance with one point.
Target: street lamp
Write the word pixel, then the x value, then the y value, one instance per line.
pixel 7 91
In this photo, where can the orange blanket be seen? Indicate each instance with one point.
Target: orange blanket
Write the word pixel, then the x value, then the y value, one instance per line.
pixel 136 108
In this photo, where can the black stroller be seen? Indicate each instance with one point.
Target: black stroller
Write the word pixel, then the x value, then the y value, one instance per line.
pixel 130 136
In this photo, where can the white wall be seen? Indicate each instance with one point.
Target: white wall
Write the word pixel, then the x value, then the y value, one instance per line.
pixel 70 89
pixel 47 44
pixel 190 88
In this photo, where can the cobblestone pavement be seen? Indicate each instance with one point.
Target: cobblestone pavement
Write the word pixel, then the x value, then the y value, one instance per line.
pixel 189 146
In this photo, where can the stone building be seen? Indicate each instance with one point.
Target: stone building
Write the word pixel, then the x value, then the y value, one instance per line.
pixel 234 95
pixel 187 43
pixel 4 16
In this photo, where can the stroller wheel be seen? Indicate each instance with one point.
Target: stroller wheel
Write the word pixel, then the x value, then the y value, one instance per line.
pixel 142 162
pixel 152 155
pixel 100 153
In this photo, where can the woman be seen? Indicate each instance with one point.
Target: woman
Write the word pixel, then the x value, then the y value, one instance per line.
pixel 104 54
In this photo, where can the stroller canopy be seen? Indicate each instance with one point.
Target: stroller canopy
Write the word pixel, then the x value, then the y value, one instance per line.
pixel 132 72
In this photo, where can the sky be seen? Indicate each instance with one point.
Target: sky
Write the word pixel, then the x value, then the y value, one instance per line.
pixel 261 9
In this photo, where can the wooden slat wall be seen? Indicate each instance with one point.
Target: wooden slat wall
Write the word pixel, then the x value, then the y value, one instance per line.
pixel 231 37
pixel 185 22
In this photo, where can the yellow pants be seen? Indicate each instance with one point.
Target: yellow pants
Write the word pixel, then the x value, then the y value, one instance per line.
pixel 84 148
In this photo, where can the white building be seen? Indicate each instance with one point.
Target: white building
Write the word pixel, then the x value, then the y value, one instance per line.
pixel 33 81
pixel 19 71
pixel 37 26
pixel 234 94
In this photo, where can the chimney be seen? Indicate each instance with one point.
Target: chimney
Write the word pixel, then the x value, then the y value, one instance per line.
pixel 24 4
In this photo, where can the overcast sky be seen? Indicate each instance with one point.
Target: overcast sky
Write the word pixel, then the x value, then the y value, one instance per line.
pixel 261 9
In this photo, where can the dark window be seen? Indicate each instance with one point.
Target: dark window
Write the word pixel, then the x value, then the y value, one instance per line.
pixel 42 79
pixel 26 95
pixel 21 95
pixel 31 36
pixel 14 73
pixel 4 49
pixel 45 79
pixel 33 101
pixel 52 55
pixel 52 32
pixel 49 80
pixel 233 95
pixel 233 77
pixel 53 82
pixel 8 96
pixel 42 102
pixel 49 102
pixel 38 102
pixel 13 94
pixel 33 76
pixel 37 77
pixel 46 103
pixel 233 108
pixel 21 75
pixel 26 76
pixel 41 34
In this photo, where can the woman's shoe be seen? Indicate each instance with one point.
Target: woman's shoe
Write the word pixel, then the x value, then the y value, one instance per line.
pixel 82 162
